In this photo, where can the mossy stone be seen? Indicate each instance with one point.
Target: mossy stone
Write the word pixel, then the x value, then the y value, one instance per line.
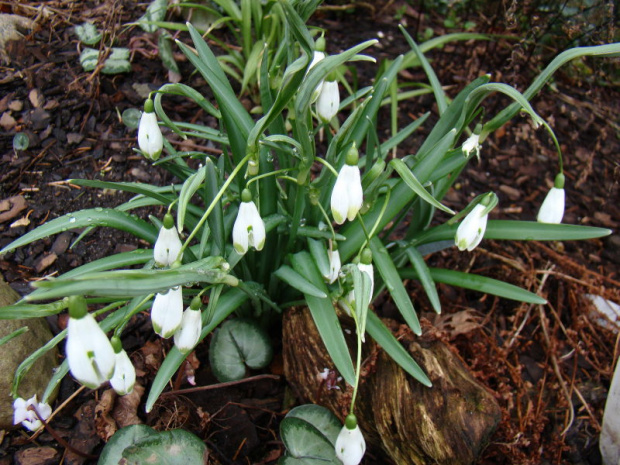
pixel 16 351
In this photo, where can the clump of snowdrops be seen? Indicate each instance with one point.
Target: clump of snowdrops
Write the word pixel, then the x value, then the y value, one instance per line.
pixel 300 206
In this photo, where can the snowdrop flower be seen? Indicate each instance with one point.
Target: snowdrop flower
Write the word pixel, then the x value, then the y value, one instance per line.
pixel 89 352
pixel 316 58
pixel 23 412
pixel 150 139
pixel 249 228
pixel 186 337
pixel 328 102
pixel 167 312
pixel 552 208
pixel 472 144
pixel 334 264
pixel 350 443
pixel 347 196
pixel 168 245
pixel 124 376
pixel 471 230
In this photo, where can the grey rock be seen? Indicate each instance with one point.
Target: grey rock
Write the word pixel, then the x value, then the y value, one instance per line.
pixel 16 351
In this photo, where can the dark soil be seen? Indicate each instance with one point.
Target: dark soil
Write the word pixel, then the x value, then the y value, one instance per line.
pixel 541 363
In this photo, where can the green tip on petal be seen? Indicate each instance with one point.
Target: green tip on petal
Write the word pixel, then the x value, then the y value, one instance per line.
pixel 353 156
pixel 246 196
pixel 351 421
pixel 77 307
pixel 168 221
pixel 149 107
pixel 559 181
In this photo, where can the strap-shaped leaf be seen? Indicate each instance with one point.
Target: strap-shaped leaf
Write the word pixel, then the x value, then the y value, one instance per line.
pixel 406 175
pixel 440 96
pixel 384 337
pixel 394 283
pixel 23 310
pixel 424 275
pixel 236 119
pixel 608 50
pixel 291 277
pixel 518 231
pixel 324 316
pixel 136 187
pixel 190 186
pixel 85 218
pixel 129 283
pixel 478 283
pixel 227 304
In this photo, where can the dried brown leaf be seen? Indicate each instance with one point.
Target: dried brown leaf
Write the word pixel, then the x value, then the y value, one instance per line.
pixel 10 26
pixel 126 411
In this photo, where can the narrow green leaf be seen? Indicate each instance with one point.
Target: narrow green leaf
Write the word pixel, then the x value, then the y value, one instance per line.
pixel 318 250
pixel 190 186
pixel 22 310
pixel 324 316
pixel 384 264
pixel 129 283
pixel 13 335
pixel 384 337
pixel 478 283
pixel 136 187
pixel 425 277
pixel 440 96
pixel 86 218
pixel 294 279
pixel 518 231
pixel 405 173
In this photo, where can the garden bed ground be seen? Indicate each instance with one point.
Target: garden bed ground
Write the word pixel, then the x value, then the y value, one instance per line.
pixel 541 363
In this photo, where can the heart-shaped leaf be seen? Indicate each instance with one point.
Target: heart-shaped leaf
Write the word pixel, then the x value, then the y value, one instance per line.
pixel 237 344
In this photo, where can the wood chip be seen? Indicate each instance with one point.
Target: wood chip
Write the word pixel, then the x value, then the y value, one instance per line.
pixel 36 98
pixel 7 121
pixel 37 456
pixel 11 207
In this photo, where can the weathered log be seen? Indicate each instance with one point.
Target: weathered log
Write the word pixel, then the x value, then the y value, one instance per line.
pixel 449 423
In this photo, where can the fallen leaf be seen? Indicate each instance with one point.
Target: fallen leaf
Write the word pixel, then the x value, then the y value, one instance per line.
pixel 126 410
pixel 104 423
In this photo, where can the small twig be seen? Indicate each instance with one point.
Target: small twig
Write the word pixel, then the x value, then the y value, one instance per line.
pixel 220 385
pixel 59 439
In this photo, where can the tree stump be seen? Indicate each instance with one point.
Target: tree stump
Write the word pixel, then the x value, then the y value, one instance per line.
pixel 449 423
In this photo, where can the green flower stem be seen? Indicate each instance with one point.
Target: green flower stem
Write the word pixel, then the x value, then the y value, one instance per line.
pixel 358 363
pixel 328 221
pixel 266 175
pixel 217 198
pixel 129 313
pixel 288 178
pixel 328 165
pixel 557 146
pixel 377 222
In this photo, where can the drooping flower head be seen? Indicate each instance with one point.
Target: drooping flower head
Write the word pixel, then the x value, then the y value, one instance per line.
pixel 328 101
pixel 347 196
pixel 249 228
pixel 89 352
pixel 24 412
pixel 472 144
pixel 124 376
pixel 188 334
pixel 552 208
pixel 168 245
pixel 471 230
pixel 350 443
pixel 334 262
pixel 167 312
pixel 150 139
